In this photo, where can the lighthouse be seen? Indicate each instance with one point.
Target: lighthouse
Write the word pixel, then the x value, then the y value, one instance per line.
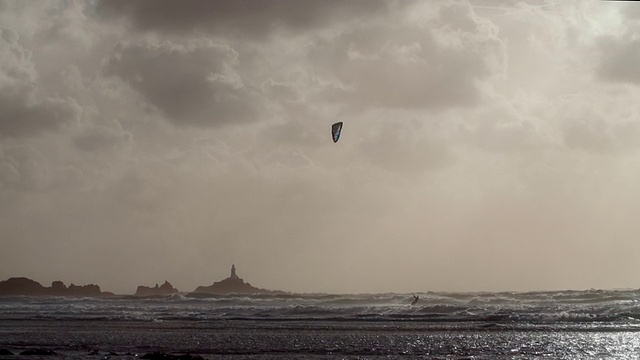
pixel 233 272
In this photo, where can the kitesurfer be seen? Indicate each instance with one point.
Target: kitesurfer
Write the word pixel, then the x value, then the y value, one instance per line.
pixel 415 299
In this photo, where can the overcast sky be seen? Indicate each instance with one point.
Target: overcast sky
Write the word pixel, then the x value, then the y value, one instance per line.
pixel 487 145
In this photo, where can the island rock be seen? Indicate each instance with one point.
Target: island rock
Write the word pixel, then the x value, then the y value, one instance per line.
pixel 164 289
pixel 232 285
pixel 23 286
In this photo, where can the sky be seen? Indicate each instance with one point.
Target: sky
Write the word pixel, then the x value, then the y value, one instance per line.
pixel 488 145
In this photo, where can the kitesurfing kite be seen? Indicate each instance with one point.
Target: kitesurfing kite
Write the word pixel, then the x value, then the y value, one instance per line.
pixel 335 131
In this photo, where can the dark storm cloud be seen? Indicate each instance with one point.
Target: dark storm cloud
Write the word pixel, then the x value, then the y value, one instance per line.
pixel 22 115
pixel 24 110
pixel 193 83
pixel 254 18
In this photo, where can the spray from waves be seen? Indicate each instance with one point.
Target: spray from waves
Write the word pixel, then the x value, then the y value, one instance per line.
pixel 583 309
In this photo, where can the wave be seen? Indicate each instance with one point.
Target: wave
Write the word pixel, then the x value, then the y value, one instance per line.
pixel 588 309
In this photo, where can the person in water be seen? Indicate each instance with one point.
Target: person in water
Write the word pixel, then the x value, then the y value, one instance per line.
pixel 415 299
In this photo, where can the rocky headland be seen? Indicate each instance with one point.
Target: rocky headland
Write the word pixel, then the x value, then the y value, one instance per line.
pixel 164 289
pixel 23 286
pixel 232 285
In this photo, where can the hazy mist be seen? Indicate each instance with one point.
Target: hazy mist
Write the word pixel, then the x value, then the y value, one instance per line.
pixel 487 145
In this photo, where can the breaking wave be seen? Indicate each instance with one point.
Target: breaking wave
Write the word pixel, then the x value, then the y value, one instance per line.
pixel 592 309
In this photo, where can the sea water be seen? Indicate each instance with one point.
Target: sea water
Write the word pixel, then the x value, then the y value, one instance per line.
pixel 594 324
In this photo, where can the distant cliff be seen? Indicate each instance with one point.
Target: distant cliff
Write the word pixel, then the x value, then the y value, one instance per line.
pixel 232 285
pixel 164 289
pixel 24 286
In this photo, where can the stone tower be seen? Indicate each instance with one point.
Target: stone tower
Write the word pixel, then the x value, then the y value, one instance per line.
pixel 233 272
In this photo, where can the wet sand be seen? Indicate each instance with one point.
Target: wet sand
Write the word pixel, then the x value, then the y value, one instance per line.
pixel 244 339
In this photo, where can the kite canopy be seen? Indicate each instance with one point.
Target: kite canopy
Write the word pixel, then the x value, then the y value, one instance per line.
pixel 335 131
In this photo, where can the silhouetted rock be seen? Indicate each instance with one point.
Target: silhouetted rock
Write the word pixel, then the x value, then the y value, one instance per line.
pixel 165 289
pixel 23 286
pixel 232 285
pixel 38 352
pixel 58 286
pixel 85 290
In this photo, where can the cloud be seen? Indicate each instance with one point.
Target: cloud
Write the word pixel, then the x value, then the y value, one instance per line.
pixel 620 58
pixel 429 63
pixel 99 139
pixel 599 133
pixel 618 50
pixel 409 149
pixel 66 23
pixel 237 17
pixel 192 83
pixel 503 127
pixel 24 111
pixel 23 168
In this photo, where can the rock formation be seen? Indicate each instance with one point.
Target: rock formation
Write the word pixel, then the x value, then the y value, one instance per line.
pixel 165 289
pixel 232 285
pixel 22 286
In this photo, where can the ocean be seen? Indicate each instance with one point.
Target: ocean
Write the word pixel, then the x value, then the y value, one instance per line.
pixel 593 324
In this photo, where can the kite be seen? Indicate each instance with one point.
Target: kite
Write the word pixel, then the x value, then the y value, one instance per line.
pixel 335 131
